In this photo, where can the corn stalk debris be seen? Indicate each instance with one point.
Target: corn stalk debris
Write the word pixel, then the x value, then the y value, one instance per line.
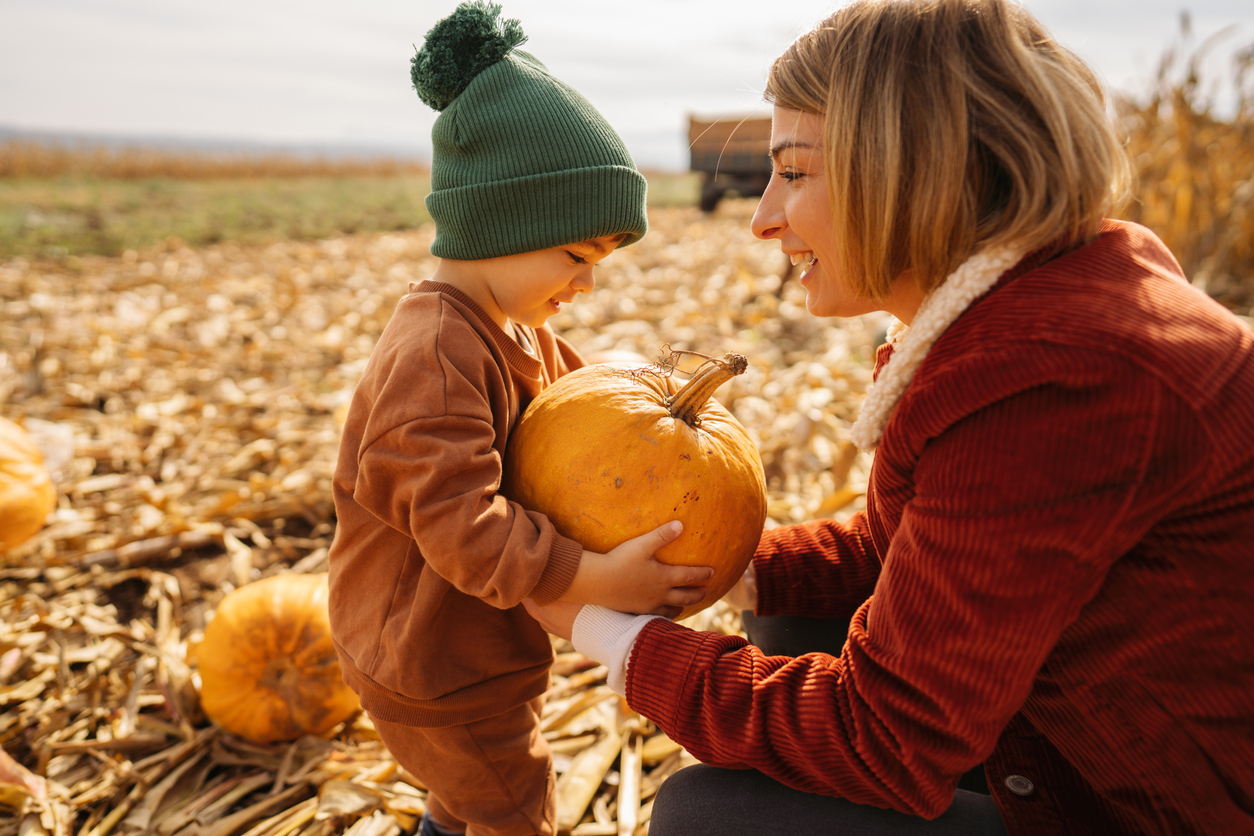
pixel 188 404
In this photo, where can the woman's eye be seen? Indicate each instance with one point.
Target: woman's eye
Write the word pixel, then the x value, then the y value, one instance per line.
pixel 576 258
pixel 790 174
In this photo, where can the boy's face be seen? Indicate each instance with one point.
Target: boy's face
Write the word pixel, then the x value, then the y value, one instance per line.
pixel 528 288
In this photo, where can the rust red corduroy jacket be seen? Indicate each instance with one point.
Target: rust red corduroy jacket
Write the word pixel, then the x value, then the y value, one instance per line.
pixel 1055 574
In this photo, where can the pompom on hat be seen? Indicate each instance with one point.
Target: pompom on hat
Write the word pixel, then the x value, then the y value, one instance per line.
pixel 520 160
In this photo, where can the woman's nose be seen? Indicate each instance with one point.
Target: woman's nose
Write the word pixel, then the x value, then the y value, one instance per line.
pixel 768 218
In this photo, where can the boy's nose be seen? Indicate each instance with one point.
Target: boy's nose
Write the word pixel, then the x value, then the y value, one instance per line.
pixel 584 281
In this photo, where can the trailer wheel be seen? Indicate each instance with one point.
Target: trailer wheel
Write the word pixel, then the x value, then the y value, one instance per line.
pixel 711 193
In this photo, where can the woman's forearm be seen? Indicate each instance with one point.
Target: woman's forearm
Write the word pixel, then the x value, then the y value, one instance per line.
pixel 607 636
pixel 821 568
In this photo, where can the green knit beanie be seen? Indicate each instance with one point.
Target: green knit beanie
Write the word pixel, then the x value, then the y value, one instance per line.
pixel 520 161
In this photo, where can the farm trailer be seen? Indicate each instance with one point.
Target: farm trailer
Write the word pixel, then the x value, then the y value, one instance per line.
pixel 732 154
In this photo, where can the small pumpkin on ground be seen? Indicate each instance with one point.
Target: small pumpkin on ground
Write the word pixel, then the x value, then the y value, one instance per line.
pixel 268 669
pixel 610 452
pixel 27 494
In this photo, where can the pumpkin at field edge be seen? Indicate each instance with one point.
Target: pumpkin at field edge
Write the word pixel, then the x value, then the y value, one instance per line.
pixel 609 452
pixel 27 494
pixel 268 669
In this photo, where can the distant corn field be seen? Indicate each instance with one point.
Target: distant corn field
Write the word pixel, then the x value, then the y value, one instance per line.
pixel 26 159
pixel 1195 174
pixel 1194 187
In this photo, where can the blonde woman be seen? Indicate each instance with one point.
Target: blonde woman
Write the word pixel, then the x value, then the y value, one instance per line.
pixel 1054 575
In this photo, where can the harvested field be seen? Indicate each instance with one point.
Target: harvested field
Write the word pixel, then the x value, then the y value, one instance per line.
pixel 1194 173
pixel 187 401
pixel 25 159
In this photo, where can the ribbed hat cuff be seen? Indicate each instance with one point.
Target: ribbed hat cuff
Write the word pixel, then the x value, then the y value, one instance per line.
pixel 507 217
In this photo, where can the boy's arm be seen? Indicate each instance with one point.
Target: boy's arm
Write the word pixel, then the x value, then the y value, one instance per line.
pixel 428 465
pixel 435 479
pixel 428 479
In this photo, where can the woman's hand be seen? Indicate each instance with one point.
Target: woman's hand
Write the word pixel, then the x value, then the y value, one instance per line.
pixel 630 579
pixel 744 595
pixel 557 618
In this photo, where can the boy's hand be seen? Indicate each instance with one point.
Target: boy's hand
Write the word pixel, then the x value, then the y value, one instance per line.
pixel 557 618
pixel 630 579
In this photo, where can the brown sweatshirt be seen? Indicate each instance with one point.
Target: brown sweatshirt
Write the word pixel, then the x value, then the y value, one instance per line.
pixel 430 563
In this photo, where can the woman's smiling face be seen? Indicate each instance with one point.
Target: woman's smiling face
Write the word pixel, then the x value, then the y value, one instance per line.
pixel 796 211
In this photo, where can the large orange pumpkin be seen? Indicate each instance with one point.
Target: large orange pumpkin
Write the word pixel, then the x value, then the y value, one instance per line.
pixel 610 452
pixel 268 669
pixel 26 491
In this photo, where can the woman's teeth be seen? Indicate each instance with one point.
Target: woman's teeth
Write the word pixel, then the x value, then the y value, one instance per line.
pixel 807 259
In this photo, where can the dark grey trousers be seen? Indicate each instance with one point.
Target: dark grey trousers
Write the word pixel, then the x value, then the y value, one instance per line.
pixel 707 801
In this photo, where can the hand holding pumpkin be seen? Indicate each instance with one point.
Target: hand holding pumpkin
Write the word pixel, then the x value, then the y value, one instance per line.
pixel 629 578
pixel 608 450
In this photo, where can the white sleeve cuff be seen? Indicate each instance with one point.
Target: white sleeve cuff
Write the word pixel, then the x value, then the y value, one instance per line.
pixel 607 636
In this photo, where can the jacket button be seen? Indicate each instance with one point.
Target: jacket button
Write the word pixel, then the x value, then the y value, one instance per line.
pixel 1019 785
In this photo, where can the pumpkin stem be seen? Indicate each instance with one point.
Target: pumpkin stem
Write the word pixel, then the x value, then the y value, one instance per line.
pixel 688 401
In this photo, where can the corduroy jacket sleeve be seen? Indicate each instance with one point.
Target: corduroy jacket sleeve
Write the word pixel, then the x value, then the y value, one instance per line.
pixel 821 569
pixel 1020 508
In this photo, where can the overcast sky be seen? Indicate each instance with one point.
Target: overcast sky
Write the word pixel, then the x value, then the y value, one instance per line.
pixel 336 72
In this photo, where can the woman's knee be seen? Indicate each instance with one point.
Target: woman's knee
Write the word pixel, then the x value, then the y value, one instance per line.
pixel 690 802
pixel 705 800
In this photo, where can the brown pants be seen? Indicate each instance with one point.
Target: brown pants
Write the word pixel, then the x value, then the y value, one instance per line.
pixel 493 777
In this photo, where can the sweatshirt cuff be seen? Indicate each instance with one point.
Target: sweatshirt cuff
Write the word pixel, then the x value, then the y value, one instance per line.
pixel 564 559
pixel 607 636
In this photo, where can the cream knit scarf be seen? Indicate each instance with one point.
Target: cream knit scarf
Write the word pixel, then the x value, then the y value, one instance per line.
pixel 940 308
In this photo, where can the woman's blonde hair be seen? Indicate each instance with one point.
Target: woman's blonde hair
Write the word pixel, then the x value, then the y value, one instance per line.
pixel 950 126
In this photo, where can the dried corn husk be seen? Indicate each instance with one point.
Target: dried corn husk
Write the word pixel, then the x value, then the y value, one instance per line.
pixel 186 404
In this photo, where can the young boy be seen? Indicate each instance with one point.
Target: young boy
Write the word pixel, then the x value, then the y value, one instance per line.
pixel 430 565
